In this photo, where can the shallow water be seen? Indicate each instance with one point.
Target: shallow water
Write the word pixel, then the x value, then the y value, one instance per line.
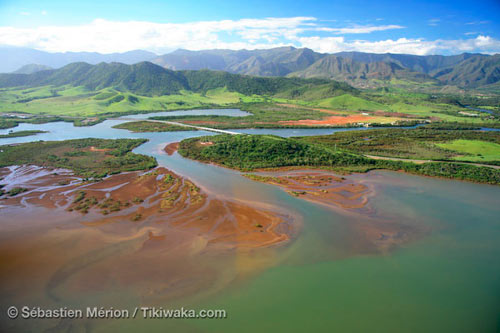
pixel 324 280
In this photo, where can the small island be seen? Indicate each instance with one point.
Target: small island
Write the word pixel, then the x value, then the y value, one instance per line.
pixel 20 133
pixel 151 126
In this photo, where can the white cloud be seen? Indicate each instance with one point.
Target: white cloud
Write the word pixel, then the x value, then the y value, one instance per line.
pixel 43 12
pixel 481 43
pixel 361 29
pixel 110 36
pixel 25 13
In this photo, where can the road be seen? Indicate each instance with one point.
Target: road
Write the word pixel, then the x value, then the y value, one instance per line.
pixel 201 128
pixel 427 161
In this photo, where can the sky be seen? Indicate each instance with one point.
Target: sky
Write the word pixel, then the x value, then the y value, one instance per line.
pixel 106 26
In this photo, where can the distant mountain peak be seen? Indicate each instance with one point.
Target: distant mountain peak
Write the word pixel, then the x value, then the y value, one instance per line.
pixel 13 58
pixel 31 68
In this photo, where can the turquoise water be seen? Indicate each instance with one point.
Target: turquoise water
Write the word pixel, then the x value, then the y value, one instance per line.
pixel 447 280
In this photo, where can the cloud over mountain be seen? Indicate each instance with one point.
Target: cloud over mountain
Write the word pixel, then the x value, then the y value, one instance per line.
pixel 107 36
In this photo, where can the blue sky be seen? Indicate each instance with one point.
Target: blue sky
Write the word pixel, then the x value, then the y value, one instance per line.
pixel 416 27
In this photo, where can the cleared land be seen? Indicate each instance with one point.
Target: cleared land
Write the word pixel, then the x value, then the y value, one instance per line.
pixel 474 150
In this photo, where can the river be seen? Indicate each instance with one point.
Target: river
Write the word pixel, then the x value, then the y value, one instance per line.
pixel 448 280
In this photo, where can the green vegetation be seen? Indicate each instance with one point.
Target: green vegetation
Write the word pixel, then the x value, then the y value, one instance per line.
pixel 474 150
pixel 150 126
pixel 20 133
pixel 263 179
pixel 80 102
pixel 79 197
pixel 87 94
pixel 147 79
pixel 349 102
pixel 4 123
pixel 248 152
pixel 83 204
pixel 419 143
pixel 16 190
pixel 90 158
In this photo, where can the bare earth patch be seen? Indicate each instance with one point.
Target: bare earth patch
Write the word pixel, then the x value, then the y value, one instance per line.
pixel 334 120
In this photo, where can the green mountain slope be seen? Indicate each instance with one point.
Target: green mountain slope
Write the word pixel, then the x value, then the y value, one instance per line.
pixel 148 79
pixel 143 78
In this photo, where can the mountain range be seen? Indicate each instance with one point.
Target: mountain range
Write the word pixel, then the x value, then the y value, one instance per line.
pixel 465 70
pixel 356 68
pixel 148 79
pixel 13 58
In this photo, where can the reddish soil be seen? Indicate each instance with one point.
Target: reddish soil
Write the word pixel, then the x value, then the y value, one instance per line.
pixel 97 149
pixel 158 195
pixel 334 120
pixel 171 148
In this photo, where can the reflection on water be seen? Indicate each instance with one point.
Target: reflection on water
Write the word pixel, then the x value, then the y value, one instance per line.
pixel 324 280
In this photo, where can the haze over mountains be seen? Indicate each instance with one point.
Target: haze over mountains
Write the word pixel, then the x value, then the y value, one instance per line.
pixel 464 70
pixel 359 69
pixel 13 58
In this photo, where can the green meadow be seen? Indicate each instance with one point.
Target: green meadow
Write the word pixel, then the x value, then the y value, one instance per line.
pixel 473 150
pixel 80 102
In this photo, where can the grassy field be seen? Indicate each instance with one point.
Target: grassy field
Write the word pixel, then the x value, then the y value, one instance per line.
pixel 91 158
pixel 349 102
pixel 473 150
pixel 80 102
pixel 420 143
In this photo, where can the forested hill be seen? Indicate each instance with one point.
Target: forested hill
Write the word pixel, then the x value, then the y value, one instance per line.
pixel 148 79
